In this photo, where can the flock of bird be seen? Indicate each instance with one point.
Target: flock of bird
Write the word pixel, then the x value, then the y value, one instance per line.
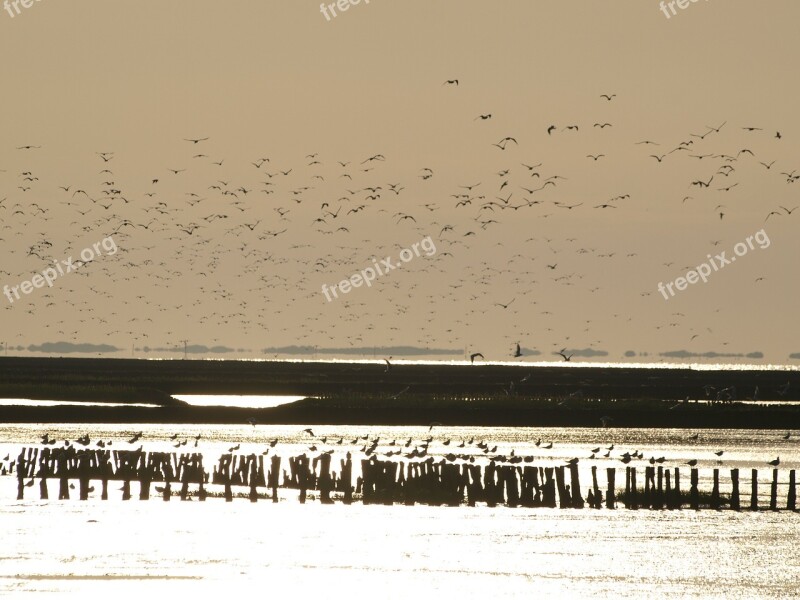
pixel 449 449
pixel 235 251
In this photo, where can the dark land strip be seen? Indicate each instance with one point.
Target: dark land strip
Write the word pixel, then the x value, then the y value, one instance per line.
pixel 353 393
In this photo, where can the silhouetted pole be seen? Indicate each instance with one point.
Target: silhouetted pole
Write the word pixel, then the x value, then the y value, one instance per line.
pixel 715 504
pixel 694 493
pixel 274 476
pixel 754 490
pixel 659 500
pixel 735 502
pixel 253 478
pixel 21 475
pixel 791 495
pixel 347 478
pixel 773 496
pixel 325 481
pixel 575 482
pixel 564 499
pixel 83 474
pixel 301 464
pixel 610 496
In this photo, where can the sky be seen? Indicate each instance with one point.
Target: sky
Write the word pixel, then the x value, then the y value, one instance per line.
pixel 322 146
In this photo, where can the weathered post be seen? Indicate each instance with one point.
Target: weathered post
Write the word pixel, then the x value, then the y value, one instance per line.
pixel 83 474
pixel 678 499
pixel 634 499
pixel 668 498
pixel 735 503
pixel 21 475
pixel 791 495
pixel 105 471
pixel 325 479
pixel 715 504
pixel 564 499
pixel 627 486
pixel 595 489
pixel 253 479
pixel 659 496
pixel 754 490
pixel 773 496
pixel 694 493
pixel 512 491
pixel 610 496
pixel 144 477
pixel 225 473
pixel 44 473
pixel 346 479
pixel 185 472
pixel 166 468
pixel 274 476
pixel 301 463
pixel 577 499
pixel 489 485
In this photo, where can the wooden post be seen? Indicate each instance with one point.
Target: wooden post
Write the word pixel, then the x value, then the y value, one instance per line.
pixel 489 485
pixel 754 490
pixel 105 469
pixel 627 487
pixel 735 503
pixel 648 489
pixel 166 468
pixel 694 493
pixel 610 496
pixel 564 499
pixel 659 496
pixel 345 481
pixel 596 489
pixel 633 502
pixel 126 490
pixel 577 499
pixel 678 499
pixel 144 478
pixel 301 464
pixel 773 496
pixel 325 479
pixel 669 500
pixel 184 477
pixel 83 474
pixel 226 479
pixel 253 478
pixel 274 476
pixel 715 504
pixel 21 475
pixel 63 475
pixel 791 495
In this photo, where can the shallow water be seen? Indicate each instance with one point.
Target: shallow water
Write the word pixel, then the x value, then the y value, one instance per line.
pixel 122 548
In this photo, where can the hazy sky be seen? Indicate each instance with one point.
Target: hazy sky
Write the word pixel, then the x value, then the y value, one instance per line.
pixel 277 80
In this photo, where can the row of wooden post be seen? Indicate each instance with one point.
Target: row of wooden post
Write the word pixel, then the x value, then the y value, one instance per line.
pixel 382 482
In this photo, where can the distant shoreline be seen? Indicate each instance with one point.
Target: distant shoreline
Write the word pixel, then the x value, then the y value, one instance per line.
pixel 403 394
